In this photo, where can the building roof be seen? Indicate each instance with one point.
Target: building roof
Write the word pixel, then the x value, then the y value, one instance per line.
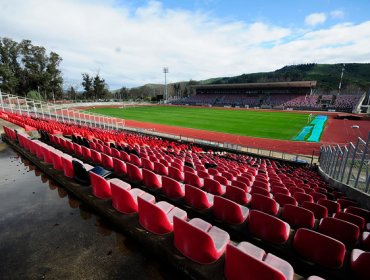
pixel 295 84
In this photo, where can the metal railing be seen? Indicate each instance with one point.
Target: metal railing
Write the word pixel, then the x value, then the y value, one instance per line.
pixel 349 164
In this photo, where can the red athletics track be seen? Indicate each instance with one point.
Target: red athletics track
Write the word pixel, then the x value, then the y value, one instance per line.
pixel 337 131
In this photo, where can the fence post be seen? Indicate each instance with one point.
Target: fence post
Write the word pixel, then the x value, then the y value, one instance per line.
pixel 352 163
pixel 362 160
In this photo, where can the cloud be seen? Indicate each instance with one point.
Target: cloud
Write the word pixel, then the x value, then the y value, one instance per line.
pixel 338 14
pixel 129 46
pixel 315 19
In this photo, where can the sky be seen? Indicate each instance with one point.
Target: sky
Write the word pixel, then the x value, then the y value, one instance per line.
pixel 129 42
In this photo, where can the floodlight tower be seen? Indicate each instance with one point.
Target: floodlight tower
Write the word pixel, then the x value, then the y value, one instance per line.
pixel 165 71
pixel 341 78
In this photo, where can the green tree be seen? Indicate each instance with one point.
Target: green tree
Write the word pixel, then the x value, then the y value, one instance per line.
pixel 33 94
pixel 87 83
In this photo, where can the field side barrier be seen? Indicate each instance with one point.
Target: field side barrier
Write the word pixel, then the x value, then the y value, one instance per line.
pixel 64 112
pixel 349 164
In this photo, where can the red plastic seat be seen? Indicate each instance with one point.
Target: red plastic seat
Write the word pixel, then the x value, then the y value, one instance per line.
pixel 360 263
pixel 319 248
pixel 229 211
pixel 213 187
pixel 147 164
pixel 68 166
pixel 298 217
pixel 115 153
pixel 343 231
pixel 268 227
pixel 365 240
pixel 151 180
pixel 247 261
pixel 294 190
pixel 107 161
pixel 172 188
pixel 261 184
pixel 241 185
pixel 264 204
pixel 237 195
pixel 199 240
pixel 344 203
pixel 100 186
pixel 316 196
pixel 260 190
pixel 124 156
pixel 359 211
pixel 198 198
pixel 119 166
pixel 175 174
pixel 284 199
pixel 352 218
pixel 203 174
pixel 133 172
pixel 318 210
pixel 193 179
pixel 160 169
pixel 158 217
pixel 77 149
pixel 57 159
pixel 332 206
pixel 86 153
pixel 282 190
pixel 302 197
pixel 135 160
pixel 96 157
pixel 221 179
pixel 124 199
pixel 213 171
pixel 245 180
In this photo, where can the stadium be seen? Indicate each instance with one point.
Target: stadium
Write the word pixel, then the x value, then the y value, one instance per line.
pixel 161 139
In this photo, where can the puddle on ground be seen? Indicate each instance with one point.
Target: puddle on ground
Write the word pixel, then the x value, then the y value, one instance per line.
pixel 46 233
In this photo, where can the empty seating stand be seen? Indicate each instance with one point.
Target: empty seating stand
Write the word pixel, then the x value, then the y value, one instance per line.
pixel 246 261
pixel 199 241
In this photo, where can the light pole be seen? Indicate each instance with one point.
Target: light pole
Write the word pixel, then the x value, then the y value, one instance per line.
pixel 165 71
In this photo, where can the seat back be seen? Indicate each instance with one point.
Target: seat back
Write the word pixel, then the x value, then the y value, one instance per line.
pixel 302 197
pixel 319 248
pixel 332 206
pixel 107 161
pixel 197 198
pixel 360 261
pixel 134 172
pixel 341 230
pixel 264 204
pixel 284 199
pixel 221 179
pixel 172 188
pixel 359 211
pixel 175 173
pixel 160 169
pixel 318 210
pixel 213 187
pixel 100 186
pixel 228 211
pixel 135 160
pixel 352 218
pixel 298 217
pixel 193 179
pixel 241 185
pixel 147 164
pixel 268 227
pixel 237 195
pixel 119 166
pixel 151 180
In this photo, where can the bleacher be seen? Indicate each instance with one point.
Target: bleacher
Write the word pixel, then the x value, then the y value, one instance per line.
pixel 289 207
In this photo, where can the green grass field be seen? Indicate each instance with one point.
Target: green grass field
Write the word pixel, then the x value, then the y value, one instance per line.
pixel 274 125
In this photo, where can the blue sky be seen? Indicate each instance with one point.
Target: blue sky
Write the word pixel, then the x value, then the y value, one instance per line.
pixel 129 42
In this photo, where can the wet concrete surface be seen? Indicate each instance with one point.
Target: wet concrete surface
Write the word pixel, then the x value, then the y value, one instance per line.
pixel 46 233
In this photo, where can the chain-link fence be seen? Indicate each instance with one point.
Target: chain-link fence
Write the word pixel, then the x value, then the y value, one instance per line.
pixel 349 164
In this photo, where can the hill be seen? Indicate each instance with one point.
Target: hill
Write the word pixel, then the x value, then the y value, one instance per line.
pixel 356 75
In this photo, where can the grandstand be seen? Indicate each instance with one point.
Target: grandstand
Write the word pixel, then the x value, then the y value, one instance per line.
pixel 298 95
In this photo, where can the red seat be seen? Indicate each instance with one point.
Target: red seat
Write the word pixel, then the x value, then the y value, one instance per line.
pixel 284 199
pixel 189 169
pixel 198 198
pixel 319 248
pixel 237 195
pixel 213 187
pixel 360 263
pixel 124 156
pixel 96 157
pixel 172 188
pixel 359 212
pixel 160 169
pixel 282 190
pixel 115 153
pixel 228 211
pixel 151 180
pixel 352 218
pixel 100 186
pixel 344 203
pixel 86 153
pixel 228 176
pixel 57 159
pixel 158 217
pixel 316 196
pixel 268 227
pixel 199 240
pixel 302 197
pixel 193 179
pixel 119 166
pixel 241 185
pixel 107 161
pixel 147 164
pixel 68 166
pixel 175 174
pixel 221 179
pixel 245 180
pixel 135 160
pixel 332 206
pixel 77 149
pixel 264 204
pixel 318 210
pixel 365 240
pixel 247 261
pixel 298 217
pixel 124 199
pixel 260 190
pixel 343 231
pixel 294 190
pixel 261 184
pixel 134 172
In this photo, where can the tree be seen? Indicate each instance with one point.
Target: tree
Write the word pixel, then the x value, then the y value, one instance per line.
pixel 100 87
pixel 87 83
pixel 33 94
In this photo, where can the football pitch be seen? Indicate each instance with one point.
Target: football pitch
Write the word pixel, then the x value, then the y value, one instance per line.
pixel 262 124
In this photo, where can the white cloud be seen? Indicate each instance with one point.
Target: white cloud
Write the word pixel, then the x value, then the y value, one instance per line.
pixel 129 47
pixel 338 14
pixel 315 19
